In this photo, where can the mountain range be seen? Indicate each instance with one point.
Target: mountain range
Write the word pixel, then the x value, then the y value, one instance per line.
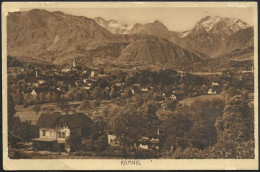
pixel 212 35
pixel 57 37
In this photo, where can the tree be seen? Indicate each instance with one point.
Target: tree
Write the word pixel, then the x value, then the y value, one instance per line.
pixel 205 114
pixel 41 98
pixel 178 125
pixel 235 131
pixel 79 95
pixel 113 93
pixel 131 122
pixel 97 93
pixel 37 108
pixel 18 131
pixel 74 142
pixel 12 122
pixel 196 123
pixel 148 113
pixel 85 105
pixel 171 104
pixel 62 103
pixel 70 95
pixel 28 99
pixel 100 144
pixel 128 93
pixel 127 125
pixel 48 97
pixel 236 120
pixel 95 104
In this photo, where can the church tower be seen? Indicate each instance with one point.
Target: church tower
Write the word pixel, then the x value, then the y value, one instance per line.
pixel 74 63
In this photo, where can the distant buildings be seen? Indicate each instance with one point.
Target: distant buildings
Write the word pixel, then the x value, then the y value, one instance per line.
pixel 154 140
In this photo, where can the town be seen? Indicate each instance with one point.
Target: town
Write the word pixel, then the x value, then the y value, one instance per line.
pixel 91 111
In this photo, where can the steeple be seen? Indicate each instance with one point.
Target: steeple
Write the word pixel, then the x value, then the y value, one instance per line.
pixel 74 63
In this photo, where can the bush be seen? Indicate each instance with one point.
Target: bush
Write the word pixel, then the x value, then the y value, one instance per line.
pixel 74 143
pixel 101 143
pixel 146 154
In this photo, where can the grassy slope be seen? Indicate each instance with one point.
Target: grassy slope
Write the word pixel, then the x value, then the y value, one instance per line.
pixel 188 101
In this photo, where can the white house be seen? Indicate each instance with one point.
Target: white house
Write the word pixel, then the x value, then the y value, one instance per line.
pixel 211 92
pixel 92 73
pixel 41 81
pixel 215 84
pixel 34 93
pixel 66 70
pixel 144 89
pixel 112 141
pixel 173 97
pixel 55 128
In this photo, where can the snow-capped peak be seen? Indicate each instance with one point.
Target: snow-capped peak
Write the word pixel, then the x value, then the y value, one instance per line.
pixel 185 33
pixel 208 22
pixel 114 26
pixel 216 23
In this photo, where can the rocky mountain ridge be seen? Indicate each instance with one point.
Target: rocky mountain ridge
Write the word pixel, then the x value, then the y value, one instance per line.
pixel 59 38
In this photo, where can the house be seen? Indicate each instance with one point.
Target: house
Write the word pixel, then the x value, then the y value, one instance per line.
pixel 41 81
pixel 101 75
pixel 173 97
pixel 179 94
pixel 66 70
pixel 36 84
pixel 144 143
pixel 144 89
pixel 119 84
pixel 55 128
pixel 149 143
pixel 87 88
pixel 211 92
pixel 34 93
pixel 92 73
pixel 155 140
pixel 137 85
pixel 112 141
pixel 215 84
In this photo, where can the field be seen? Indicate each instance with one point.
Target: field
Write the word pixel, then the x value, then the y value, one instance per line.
pixel 188 101
pixel 28 114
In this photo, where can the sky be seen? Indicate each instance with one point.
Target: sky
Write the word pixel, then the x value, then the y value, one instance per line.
pixel 175 18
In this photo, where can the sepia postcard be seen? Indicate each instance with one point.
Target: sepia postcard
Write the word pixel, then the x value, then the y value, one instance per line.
pixel 130 85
